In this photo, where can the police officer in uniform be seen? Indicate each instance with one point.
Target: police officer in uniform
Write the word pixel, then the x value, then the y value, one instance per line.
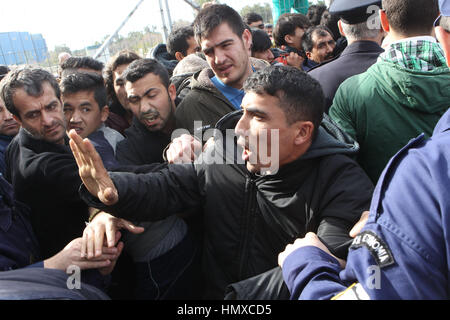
pixel 404 248
pixel 360 24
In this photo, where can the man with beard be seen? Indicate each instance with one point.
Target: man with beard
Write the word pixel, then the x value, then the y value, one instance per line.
pixel 318 44
pixel 151 99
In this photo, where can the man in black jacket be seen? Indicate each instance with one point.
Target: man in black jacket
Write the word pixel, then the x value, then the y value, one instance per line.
pixel 151 98
pixel 297 178
pixel 39 165
pixel 45 176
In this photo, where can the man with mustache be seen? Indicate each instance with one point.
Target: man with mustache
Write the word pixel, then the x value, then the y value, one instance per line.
pixel 318 44
pixel 151 98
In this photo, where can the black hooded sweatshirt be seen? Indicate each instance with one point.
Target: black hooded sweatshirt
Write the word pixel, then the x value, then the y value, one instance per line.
pixel 250 219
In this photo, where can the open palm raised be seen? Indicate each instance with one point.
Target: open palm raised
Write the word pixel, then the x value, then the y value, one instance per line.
pixel 92 171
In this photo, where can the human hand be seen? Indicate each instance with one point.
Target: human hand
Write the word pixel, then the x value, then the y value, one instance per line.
pixel 310 239
pixel 294 60
pixel 184 149
pixel 109 268
pixel 94 234
pixel 70 255
pixel 360 224
pixel 92 171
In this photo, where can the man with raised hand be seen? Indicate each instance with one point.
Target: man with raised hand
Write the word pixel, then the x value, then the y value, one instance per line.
pixel 249 213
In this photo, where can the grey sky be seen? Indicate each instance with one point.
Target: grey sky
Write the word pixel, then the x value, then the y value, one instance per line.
pixel 79 23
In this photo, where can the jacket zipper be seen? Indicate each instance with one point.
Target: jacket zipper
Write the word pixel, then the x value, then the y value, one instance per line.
pixel 248 213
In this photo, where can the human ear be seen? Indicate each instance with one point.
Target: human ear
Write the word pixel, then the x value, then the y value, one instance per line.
pixel 304 133
pixel 105 113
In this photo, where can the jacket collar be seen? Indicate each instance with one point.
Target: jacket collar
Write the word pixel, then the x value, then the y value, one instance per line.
pixel 39 145
pixel 5 141
pixel 362 46
pixel 203 77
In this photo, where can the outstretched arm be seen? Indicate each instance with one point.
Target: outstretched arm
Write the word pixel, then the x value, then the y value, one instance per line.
pixel 92 171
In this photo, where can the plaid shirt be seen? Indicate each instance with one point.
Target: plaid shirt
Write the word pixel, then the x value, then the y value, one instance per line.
pixel 417 55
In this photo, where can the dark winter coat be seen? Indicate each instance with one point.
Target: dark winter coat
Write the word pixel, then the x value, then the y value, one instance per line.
pixel 250 219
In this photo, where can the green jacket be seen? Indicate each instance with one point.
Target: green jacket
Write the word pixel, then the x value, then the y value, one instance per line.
pixel 386 107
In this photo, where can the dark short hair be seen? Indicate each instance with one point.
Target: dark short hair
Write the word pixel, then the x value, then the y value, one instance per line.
pixel 28 78
pixel 211 17
pixel 301 97
pixel 82 62
pixel 121 58
pixel 261 41
pixel 411 17
pixel 287 24
pixel 315 12
pixel 252 17
pixel 3 71
pixel 330 21
pixel 138 69
pixel 307 41
pixel 85 81
pixel 177 41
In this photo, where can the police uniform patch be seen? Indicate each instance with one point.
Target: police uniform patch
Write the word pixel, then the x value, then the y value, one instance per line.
pixel 376 246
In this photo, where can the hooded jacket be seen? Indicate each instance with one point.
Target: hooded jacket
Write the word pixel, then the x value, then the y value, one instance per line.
pixel 387 106
pixel 249 219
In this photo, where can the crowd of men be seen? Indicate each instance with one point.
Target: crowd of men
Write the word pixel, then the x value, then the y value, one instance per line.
pixel 241 160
